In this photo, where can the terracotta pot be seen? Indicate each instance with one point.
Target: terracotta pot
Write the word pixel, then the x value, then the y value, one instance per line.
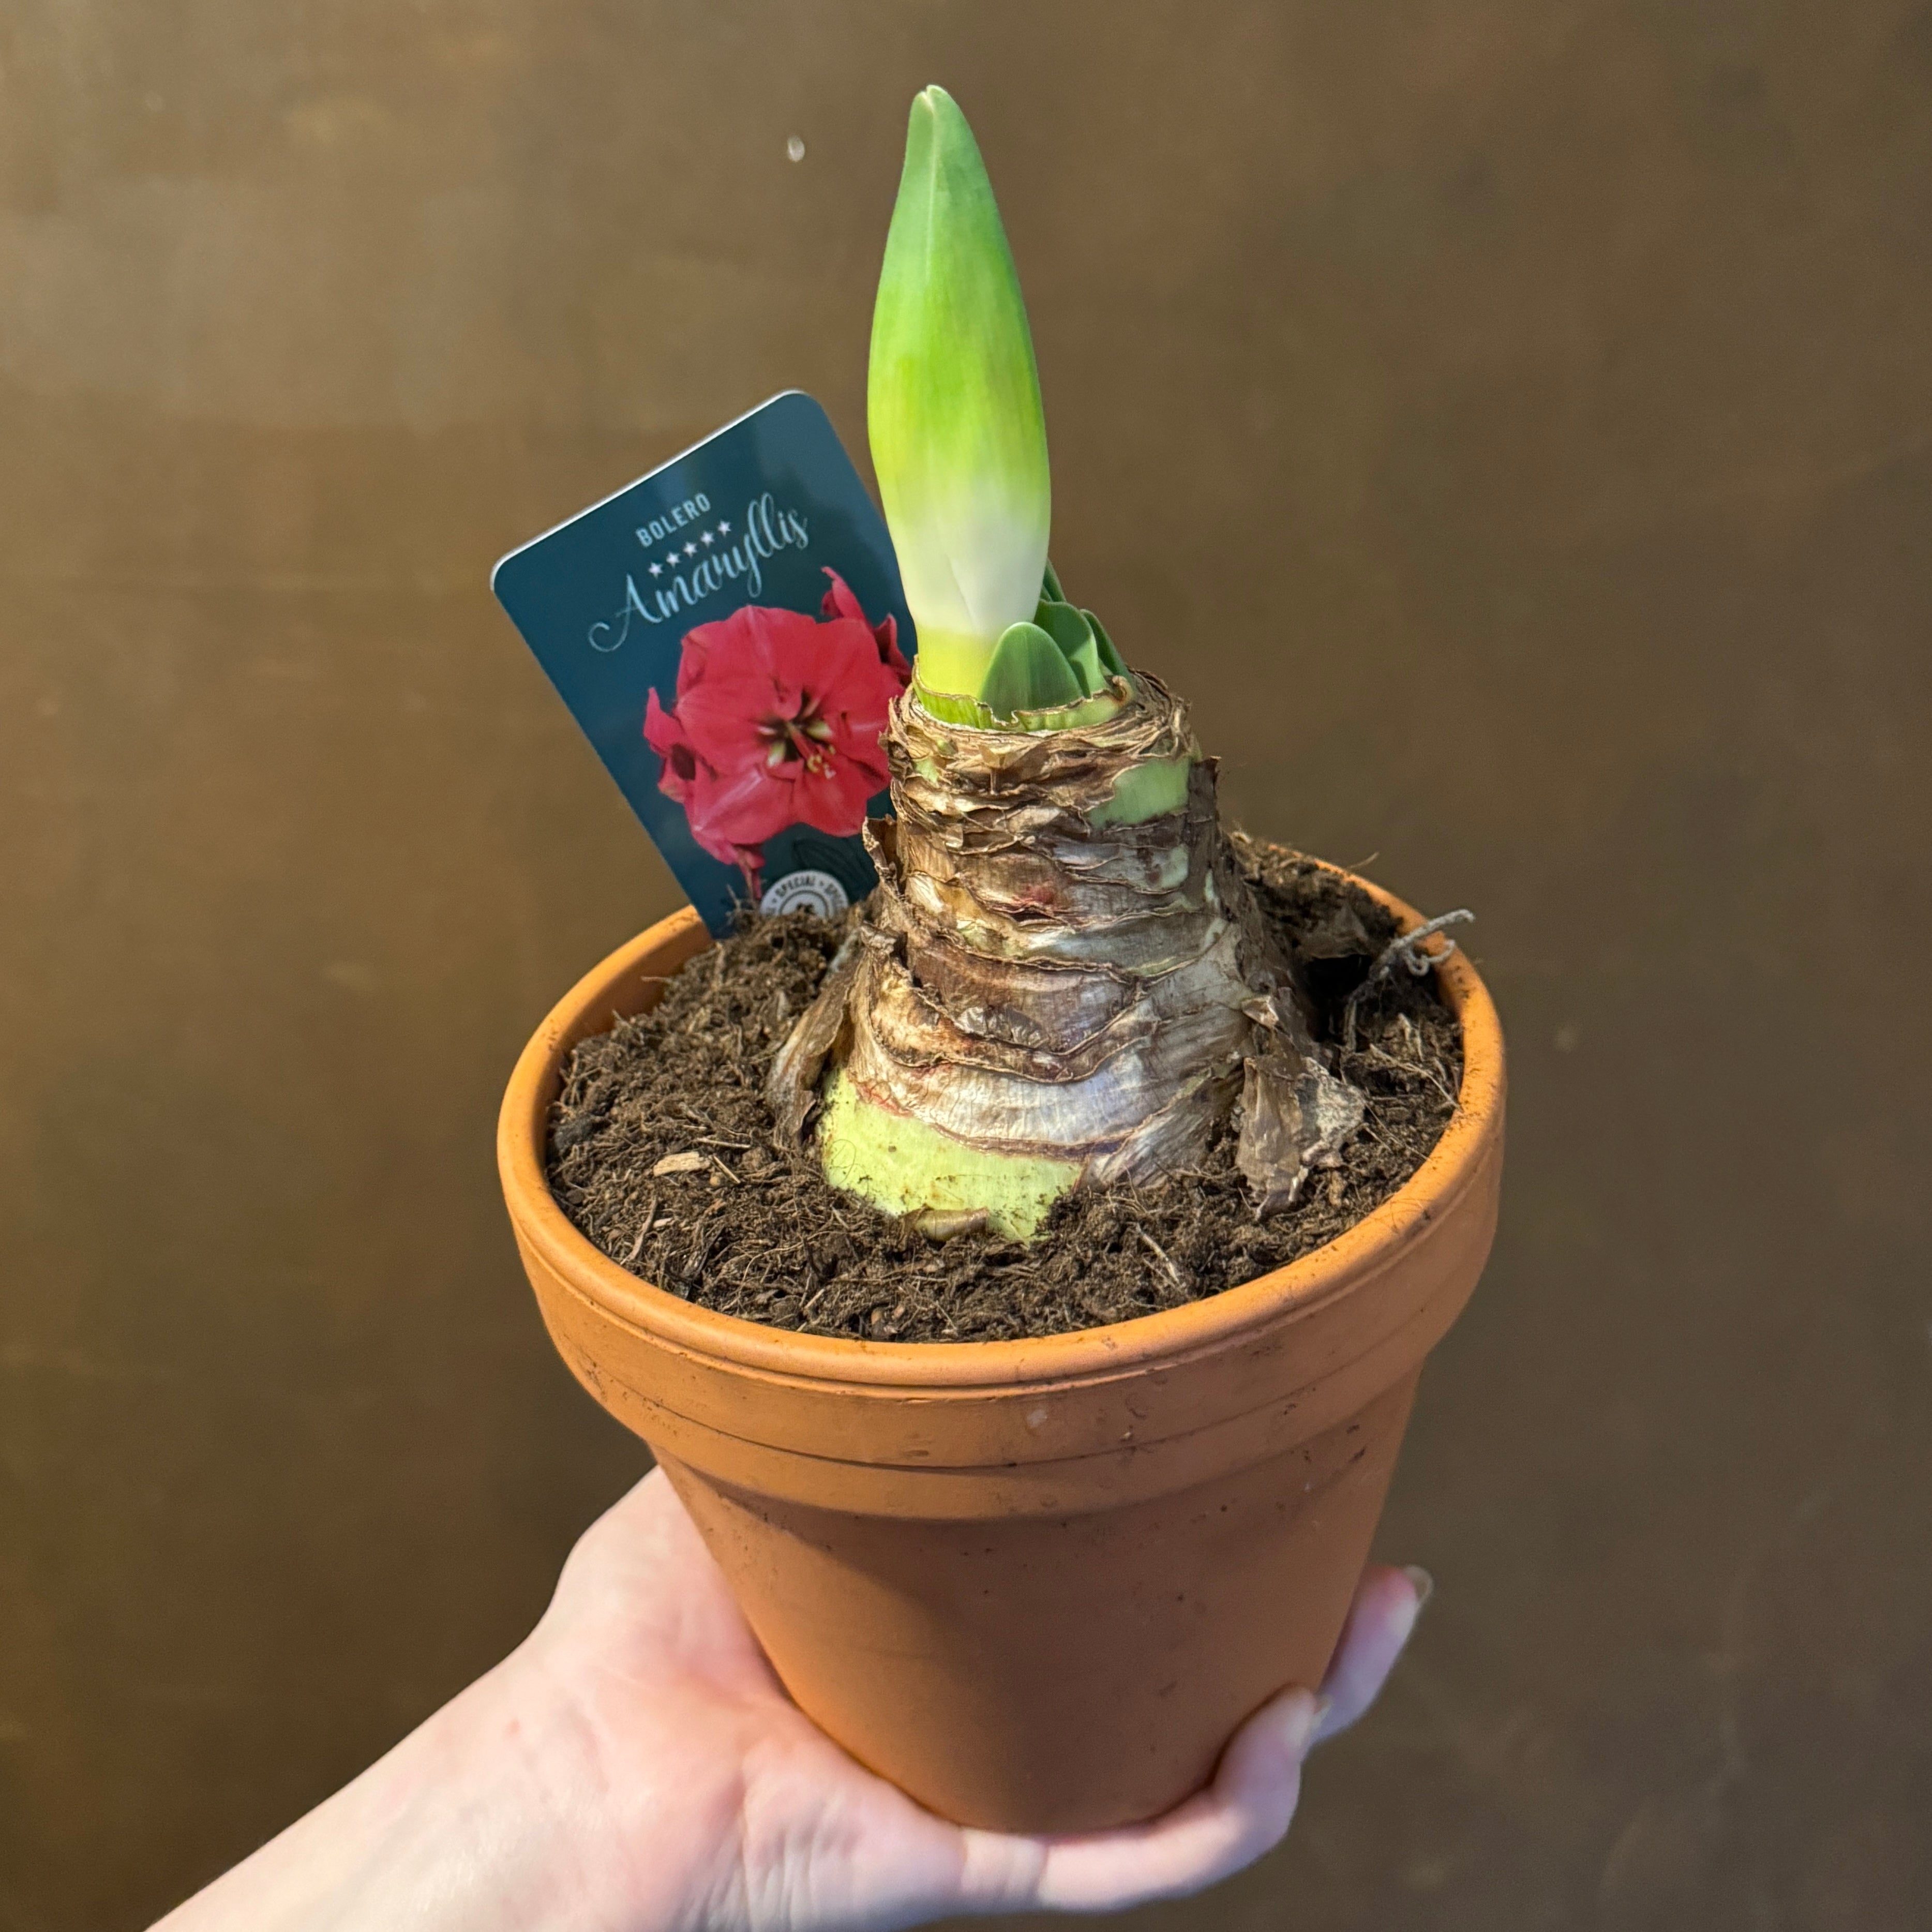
pixel 1037 1584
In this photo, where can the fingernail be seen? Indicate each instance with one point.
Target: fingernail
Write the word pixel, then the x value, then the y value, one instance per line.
pixel 1421 1582
pixel 1305 1719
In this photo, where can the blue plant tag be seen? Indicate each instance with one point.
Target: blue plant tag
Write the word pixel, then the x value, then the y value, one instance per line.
pixel 729 632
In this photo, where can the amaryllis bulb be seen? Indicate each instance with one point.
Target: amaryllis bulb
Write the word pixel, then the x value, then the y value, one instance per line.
pixel 958 437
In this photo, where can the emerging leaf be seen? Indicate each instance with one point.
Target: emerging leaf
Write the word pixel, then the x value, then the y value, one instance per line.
pixel 1069 629
pixel 1110 660
pixel 1029 673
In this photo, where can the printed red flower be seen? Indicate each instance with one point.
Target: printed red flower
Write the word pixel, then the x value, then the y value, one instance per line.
pixel 691 783
pixel 777 722
pixel 839 602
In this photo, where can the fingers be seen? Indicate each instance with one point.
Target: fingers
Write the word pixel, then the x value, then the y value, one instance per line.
pixel 1387 1603
pixel 1244 1813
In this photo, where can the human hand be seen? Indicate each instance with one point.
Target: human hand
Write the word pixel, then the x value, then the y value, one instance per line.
pixel 776 1829
pixel 636 1766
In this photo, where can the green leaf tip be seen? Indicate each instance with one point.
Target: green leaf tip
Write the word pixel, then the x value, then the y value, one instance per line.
pixel 1069 629
pixel 958 435
pixel 1072 631
pixel 1110 660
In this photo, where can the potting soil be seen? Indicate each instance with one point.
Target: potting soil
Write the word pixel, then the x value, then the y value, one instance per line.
pixel 661 1153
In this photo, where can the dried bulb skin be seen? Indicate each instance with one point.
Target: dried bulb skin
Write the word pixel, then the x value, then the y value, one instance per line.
pixel 1037 997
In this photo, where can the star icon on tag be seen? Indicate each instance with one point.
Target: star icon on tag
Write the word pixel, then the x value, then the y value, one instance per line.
pixel 707 539
pixel 657 570
pixel 690 550
pixel 724 529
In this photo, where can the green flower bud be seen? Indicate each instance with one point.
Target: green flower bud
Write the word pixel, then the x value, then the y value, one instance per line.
pixel 958 437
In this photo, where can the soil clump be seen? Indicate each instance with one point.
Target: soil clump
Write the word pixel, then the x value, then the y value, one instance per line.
pixel 661 1151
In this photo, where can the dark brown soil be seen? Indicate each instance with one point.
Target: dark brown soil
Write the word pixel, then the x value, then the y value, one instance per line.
pixel 761 1236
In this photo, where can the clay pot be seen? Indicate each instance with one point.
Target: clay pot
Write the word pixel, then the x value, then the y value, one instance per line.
pixel 1037 1584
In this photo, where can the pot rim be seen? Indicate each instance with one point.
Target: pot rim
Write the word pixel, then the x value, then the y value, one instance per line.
pixel 1164 1337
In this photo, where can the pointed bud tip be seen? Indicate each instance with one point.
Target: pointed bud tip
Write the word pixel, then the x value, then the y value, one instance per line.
pixel 940 113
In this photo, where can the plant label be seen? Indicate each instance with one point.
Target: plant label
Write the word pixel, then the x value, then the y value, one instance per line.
pixel 729 632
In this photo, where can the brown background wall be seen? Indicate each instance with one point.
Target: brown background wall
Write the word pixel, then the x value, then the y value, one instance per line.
pixel 1507 420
